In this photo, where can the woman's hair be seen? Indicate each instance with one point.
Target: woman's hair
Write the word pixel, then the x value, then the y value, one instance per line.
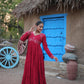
pixel 38 22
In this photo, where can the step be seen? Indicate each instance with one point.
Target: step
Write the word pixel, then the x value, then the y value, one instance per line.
pixel 52 69
pixel 47 73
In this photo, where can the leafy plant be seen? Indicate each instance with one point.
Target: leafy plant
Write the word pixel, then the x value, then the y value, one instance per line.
pixel 9 26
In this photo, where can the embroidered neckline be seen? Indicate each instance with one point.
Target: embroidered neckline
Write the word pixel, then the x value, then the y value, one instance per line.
pixel 37 34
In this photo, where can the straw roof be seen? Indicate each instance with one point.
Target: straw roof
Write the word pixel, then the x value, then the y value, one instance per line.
pixel 39 6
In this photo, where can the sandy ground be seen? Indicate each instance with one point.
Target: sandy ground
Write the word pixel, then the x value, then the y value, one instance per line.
pixel 14 76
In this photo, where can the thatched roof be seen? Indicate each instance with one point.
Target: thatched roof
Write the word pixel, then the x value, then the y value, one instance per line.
pixel 39 6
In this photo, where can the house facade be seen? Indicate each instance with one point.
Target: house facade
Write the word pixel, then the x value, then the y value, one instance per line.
pixel 60 27
pixel 73 24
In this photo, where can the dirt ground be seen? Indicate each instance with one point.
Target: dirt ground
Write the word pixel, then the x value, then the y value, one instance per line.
pixel 14 76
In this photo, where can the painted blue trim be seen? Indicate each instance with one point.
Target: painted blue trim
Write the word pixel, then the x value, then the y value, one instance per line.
pixel 53 15
pixel 65 25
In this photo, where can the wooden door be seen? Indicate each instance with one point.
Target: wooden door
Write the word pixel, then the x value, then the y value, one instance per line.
pixel 55 31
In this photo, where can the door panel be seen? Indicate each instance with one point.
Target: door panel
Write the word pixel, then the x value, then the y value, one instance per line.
pixel 54 29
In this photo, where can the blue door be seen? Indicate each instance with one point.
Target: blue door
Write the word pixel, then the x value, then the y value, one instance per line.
pixel 55 31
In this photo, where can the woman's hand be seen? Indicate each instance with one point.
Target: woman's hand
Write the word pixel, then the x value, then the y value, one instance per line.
pixel 32 28
pixel 56 59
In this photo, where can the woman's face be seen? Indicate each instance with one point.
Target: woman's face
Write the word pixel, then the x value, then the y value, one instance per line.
pixel 39 27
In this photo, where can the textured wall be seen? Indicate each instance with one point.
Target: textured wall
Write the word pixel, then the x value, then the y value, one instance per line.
pixel 75 32
pixel 75 28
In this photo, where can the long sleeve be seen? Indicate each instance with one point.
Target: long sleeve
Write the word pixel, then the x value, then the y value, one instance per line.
pixel 25 36
pixel 46 47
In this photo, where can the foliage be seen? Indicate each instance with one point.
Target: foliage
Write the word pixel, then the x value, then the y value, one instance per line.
pixel 9 26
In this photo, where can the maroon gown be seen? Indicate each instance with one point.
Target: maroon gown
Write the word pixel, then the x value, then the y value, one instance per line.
pixel 34 71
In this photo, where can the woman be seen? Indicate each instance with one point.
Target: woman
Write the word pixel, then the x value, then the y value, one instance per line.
pixel 34 72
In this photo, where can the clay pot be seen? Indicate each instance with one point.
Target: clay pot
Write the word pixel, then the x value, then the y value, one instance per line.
pixel 69 56
pixel 69 48
pixel 72 68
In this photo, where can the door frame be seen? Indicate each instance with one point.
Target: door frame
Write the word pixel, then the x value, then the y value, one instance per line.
pixel 55 16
